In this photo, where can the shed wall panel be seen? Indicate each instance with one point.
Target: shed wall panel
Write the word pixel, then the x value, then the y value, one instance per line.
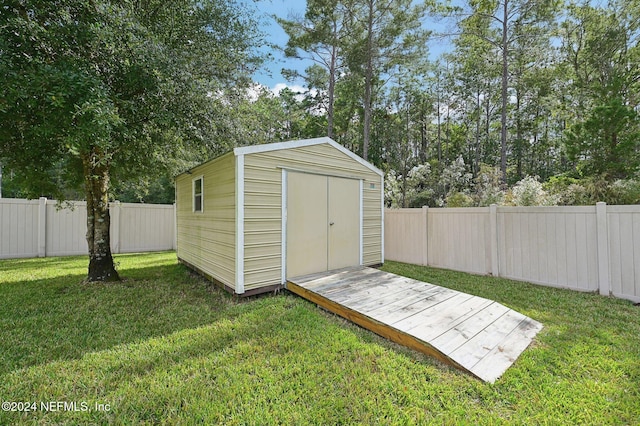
pixel 207 239
pixel 263 213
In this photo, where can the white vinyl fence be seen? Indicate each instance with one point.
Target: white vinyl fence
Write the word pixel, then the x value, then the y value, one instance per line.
pixel 592 248
pixel 39 228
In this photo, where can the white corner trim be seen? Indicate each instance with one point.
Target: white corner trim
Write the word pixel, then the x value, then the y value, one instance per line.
pixel 284 228
pixel 361 214
pixel 239 224
pixel 382 217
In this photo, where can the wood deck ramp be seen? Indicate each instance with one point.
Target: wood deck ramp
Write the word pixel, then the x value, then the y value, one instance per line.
pixel 477 335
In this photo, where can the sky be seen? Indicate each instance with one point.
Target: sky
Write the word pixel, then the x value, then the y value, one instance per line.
pixel 272 77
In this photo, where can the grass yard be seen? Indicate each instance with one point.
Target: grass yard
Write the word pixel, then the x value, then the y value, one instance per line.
pixel 164 346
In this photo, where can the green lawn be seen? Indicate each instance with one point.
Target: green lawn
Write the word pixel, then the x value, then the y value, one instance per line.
pixel 164 346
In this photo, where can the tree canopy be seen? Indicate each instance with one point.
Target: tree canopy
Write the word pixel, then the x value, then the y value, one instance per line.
pixel 98 90
pixel 547 91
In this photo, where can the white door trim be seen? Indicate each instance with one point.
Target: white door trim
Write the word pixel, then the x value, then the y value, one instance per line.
pixel 284 227
pixel 240 224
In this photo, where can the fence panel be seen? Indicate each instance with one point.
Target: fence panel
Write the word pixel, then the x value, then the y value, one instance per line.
pixel 624 251
pixel 580 248
pixel 554 246
pixel 459 239
pixel 66 233
pixel 38 228
pixel 146 227
pixel 404 234
pixel 18 228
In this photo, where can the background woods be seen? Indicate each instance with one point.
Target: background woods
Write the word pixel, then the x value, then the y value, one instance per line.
pixel 534 103
pixel 520 102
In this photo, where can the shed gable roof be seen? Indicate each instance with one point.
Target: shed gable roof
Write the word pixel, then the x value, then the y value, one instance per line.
pixel 302 143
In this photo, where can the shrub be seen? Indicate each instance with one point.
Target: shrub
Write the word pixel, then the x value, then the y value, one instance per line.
pixel 487 186
pixel 530 192
pixel 459 199
pixel 624 192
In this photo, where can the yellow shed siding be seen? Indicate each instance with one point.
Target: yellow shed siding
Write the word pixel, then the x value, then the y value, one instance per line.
pixel 263 209
pixel 207 240
pixel 372 221
pixel 263 223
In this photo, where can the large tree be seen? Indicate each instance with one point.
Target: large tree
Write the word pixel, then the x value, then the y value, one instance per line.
pixel 511 21
pixel 99 90
pixel 602 53
pixel 387 36
pixel 361 43
pixel 322 34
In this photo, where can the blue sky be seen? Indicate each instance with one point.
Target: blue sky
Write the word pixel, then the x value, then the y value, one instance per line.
pixel 276 35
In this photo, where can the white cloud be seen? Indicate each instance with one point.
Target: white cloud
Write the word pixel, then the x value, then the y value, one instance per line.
pixel 296 88
pixel 257 89
pixel 253 92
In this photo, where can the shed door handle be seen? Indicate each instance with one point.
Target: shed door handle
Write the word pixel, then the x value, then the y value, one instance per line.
pixel 331 223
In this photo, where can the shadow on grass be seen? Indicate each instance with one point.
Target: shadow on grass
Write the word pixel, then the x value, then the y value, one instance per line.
pixel 63 318
pixel 270 360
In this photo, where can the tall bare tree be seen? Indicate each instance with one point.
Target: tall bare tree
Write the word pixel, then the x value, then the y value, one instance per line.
pixel 320 35
pixel 388 35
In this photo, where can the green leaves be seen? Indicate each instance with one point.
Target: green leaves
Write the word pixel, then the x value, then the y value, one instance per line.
pixel 606 141
pixel 605 134
pixel 101 89
pixel 132 78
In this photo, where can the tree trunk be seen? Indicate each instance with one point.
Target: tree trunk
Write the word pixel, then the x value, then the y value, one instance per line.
pixel 476 160
pixel 447 133
pixel 519 151
pixel 423 133
pixel 368 82
pixel 96 178
pixel 332 87
pixel 505 81
pixel 439 124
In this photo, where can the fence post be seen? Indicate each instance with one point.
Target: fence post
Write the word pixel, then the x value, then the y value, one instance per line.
pixel 603 249
pixel 42 227
pixel 115 227
pixel 425 235
pixel 493 240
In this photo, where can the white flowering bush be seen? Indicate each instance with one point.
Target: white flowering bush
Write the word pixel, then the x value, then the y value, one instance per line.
pixel 625 192
pixel 401 192
pixel 529 192
pixel 487 188
pixel 455 177
pixel 392 190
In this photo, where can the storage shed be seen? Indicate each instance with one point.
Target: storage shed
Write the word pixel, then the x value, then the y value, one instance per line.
pixel 258 215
